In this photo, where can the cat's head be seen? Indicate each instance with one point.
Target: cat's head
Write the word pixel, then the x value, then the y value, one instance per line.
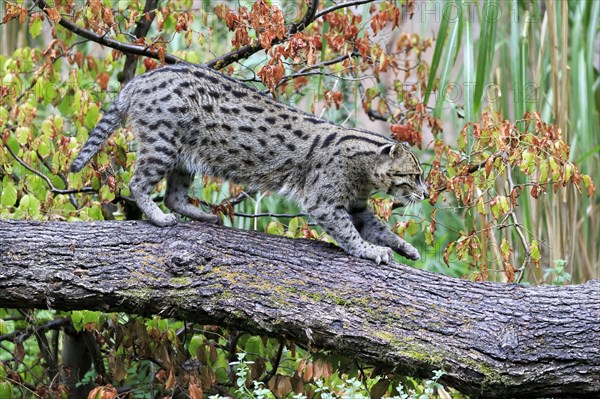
pixel 401 175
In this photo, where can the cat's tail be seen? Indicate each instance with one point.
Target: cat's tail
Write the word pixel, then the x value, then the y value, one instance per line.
pixel 111 121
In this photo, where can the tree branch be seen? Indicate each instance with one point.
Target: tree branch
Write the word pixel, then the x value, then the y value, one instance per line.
pixel 107 41
pixel 306 20
pixel 491 340
pixel 141 30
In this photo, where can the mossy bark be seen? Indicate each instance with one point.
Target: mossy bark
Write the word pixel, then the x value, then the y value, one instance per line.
pixel 492 340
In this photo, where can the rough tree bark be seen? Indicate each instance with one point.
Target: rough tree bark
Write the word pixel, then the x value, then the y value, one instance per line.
pixel 492 340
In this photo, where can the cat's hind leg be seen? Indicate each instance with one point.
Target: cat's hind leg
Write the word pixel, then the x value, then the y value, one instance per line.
pixel 178 184
pixel 149 170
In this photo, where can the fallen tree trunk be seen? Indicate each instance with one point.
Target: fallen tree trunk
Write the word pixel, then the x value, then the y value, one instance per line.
pixel 492 340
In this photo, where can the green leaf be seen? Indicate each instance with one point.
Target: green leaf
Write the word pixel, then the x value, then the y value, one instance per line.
pixel 9 194
pixel 275 228
pixel 95 212
pixel 555 168
pixel 77 318
pixel 29 206
pixel 35 28
pixel 412 227
pixel 44 147
pixel 568 171
pixel 504 204
pixel 22 135
pixel 6 327
pixel 481 206
pixel 194 344
pixel 587 181
pixel 59 123
pixel 293 227
pixel 6 390
pixel 429 235
pixel 47 127
pixel 105 194
pixel 544 168
pixel 91 117
pixel 254 348
pixel 528 162
pixel 495 208
pixel 76 102
pixel 534 250
pixel 14 145
pixel 91 317
pixel 505 249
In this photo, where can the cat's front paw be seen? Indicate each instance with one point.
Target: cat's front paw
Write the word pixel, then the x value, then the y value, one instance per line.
pixel 407 250
pixel 378 254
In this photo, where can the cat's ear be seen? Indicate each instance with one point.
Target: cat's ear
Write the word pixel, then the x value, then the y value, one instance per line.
pixel 396 150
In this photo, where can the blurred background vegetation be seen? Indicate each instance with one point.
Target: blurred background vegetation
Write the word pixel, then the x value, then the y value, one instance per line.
pixel 419 70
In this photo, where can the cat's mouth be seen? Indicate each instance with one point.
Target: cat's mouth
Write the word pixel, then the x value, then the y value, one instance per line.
pixel 407 200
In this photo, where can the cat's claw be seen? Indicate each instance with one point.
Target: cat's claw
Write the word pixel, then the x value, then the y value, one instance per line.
pixel 378 254
pixel 409 252
pixel 168 219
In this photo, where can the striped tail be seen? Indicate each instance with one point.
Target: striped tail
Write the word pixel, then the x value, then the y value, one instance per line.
pixel 111 120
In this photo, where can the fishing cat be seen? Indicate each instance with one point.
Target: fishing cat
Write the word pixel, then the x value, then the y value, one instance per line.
pixel 190 119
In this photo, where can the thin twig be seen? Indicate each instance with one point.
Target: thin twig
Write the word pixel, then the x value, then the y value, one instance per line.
pixel 275 363
pixel 269 214
pixel 341 5
pixel 305 71
pixel 46 179
pixel 63 177
pixel 513 216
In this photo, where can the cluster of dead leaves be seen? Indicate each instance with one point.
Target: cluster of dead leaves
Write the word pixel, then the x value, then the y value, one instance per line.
pixel 308 371
pixel 407 133
pixel 13 10
pixel 267 21
pixel 272 73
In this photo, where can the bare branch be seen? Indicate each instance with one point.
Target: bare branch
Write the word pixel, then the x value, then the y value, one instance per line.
pixel 269 214
pixel 22 335
pixel 141 30
pixel 339 6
